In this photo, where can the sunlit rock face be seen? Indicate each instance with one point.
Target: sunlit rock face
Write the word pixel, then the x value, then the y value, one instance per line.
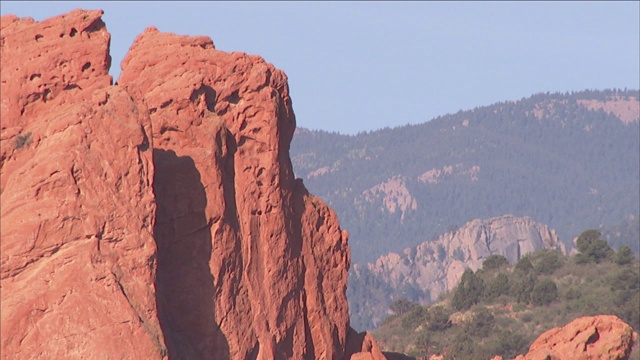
pixel 159 217
pixel 589 337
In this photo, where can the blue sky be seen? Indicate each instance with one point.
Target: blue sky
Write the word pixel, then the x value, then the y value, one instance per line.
pixel 360 66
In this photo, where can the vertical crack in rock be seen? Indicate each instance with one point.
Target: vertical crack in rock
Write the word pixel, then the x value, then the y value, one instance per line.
pixel 162 350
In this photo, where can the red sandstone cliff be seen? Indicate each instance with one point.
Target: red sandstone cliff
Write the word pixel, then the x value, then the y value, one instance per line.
pixel 158 217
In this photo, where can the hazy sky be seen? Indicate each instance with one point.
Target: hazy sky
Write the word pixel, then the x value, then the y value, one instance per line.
pixel 356 66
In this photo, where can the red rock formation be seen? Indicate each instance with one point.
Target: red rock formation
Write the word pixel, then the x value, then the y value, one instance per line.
pixel 77 252
pixel 363 347
pixel 159 216
pixel 586 338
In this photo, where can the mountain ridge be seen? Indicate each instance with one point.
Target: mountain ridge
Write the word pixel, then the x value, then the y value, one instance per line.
pixel 559 158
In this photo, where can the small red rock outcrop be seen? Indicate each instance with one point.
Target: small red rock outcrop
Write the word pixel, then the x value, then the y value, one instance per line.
pixel 363 346
pixel 586 338
pixel 159 217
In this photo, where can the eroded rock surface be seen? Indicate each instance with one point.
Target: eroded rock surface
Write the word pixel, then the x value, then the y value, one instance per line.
pixel 77 252
pixel 586 338
pixel 158 217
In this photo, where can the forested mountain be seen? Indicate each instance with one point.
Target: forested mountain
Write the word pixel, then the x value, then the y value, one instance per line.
pixel 569 161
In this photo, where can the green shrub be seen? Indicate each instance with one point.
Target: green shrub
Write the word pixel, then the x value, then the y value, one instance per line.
pixel 462 348
pixel 424 341
pixel 509 344
pixel 572 293
pixel 496 287
pixel 22 140
pixel 402 306
pixel 526 317
pixel 524 265
pixel 482 323
pixel 544 292
pixel 624 256
pixel 549 262
pixel 468 291
pixel 593 247
pixel 522 287
pixel 438 319
pixel 494 262
pixel 414 318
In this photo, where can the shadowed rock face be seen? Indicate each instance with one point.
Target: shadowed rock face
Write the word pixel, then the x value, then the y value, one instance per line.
pixel 159 217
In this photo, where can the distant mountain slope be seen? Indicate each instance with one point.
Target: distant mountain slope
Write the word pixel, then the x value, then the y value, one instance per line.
pixel 570 161
pixel 423 273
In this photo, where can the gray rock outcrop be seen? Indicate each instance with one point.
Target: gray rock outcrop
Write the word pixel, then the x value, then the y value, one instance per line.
pixel 424 272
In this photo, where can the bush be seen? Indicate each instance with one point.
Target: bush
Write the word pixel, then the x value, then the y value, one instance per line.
pixel 622 279
pixel 496 287
pixel 494 262
pixel 482 322
pixel 624 256
pixel 526 317
pixel 438 319
pixel 468 291
pixel 593 247
pixel 522 287
pixel 544 292
pixel 509 344
pixel 581 258
pixel 524 265
pixel 414 318
pixel 424 341
pixel 402 306
pixel 462 348
pixel 572 293
pixel 22 140
pixel 549 262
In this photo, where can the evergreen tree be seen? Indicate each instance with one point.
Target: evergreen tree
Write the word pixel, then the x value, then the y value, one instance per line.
pixel 544 292
pixel 468 291
pixel 592 248
pixel 524 265
pixel 493 262
pixel 522 287
pixel 624 256
pixel 496 287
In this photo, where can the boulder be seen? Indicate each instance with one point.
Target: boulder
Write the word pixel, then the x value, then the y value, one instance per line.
pixel 585 338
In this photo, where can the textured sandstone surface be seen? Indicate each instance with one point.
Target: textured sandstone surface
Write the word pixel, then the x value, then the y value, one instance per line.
pixel 159 218
pixel 77 252
pixel 586 338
